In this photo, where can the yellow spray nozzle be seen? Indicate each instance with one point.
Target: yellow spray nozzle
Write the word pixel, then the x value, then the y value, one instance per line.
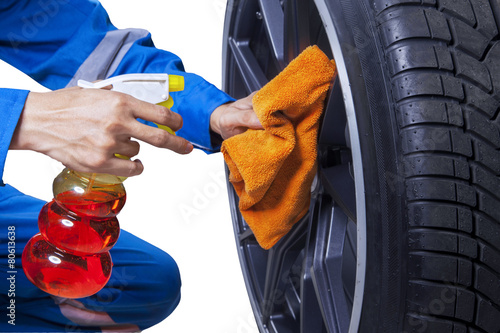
pixel 175 83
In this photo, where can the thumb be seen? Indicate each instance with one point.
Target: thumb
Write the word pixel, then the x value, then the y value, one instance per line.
pixel 249 119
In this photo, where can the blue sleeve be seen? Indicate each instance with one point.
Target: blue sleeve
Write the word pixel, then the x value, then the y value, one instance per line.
pixel 49 40
pixel 60 41
pixel 11 106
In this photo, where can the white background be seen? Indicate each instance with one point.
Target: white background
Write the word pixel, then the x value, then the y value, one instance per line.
pixel 179 203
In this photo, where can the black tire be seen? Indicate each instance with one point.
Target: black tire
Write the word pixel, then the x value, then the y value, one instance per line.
pixel 403 234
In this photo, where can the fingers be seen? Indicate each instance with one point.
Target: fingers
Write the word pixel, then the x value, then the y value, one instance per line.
pixel 121 167
pixel 110 164
pixel 162 139
pixel 247 101
pixel 235 118
pixel 131 128
pixel 128 148
pixel 126 168
pixel 238 121
pixel 249 119
pixel 154 136
pixel 157 114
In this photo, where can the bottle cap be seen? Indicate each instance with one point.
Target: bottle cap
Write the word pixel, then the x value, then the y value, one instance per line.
pixel 175 83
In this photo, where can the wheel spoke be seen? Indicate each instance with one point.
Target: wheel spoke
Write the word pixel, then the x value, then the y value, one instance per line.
pixel 339 184
pixel 333 127
pixel 248 66
pixel 311 319
pixel 281 266
pixel 334 154
pixel 327 266
pixel 273 17
pixel 296 34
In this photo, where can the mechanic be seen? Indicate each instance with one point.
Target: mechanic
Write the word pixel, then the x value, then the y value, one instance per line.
pixel 57 42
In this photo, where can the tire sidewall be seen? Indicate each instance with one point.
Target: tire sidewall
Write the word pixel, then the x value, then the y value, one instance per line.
pixel 383 295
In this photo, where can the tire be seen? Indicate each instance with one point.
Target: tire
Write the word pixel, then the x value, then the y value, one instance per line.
pixel 403 232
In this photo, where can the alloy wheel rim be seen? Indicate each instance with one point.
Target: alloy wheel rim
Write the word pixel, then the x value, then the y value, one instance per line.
pixel 289 281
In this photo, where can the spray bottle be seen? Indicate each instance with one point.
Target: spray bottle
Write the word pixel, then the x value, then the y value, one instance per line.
pixel 70 256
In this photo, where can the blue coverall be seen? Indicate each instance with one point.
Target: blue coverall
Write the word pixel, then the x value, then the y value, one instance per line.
pixel 57 42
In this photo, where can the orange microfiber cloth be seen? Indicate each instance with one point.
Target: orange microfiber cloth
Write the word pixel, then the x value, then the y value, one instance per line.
pixel 272 169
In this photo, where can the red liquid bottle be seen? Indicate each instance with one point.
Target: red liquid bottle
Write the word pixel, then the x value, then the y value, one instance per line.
pixel 70 256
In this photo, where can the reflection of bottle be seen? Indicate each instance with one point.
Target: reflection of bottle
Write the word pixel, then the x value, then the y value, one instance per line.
pixel 69 257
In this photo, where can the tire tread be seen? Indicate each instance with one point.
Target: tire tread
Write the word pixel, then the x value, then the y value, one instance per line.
pixel 443 58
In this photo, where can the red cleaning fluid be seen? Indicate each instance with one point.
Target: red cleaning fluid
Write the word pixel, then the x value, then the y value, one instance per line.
pixel 69 257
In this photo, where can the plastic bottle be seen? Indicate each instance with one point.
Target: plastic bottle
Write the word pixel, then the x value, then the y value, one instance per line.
pixel 70 256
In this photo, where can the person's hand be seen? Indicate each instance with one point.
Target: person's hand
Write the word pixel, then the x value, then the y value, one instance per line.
pixel 234 118
pixel 85 128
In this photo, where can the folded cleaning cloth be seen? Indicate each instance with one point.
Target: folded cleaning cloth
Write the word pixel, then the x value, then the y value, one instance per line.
pixel 272 169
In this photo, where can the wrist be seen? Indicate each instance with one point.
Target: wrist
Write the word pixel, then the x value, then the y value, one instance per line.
pixel 22 139
pixel 215 119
